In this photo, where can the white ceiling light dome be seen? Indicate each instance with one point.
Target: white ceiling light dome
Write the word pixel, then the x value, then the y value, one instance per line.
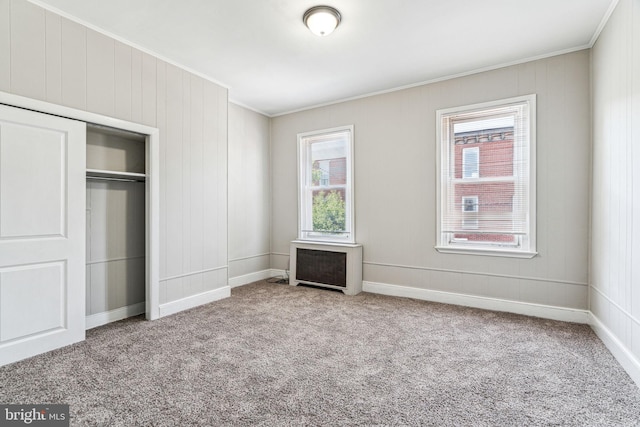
pixel 322 20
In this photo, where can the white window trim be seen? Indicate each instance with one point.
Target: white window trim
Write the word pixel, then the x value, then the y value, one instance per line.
pixel 444 247
pixel 349 186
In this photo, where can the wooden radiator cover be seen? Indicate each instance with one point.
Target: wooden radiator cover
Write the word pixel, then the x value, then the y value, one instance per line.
pixel 331 265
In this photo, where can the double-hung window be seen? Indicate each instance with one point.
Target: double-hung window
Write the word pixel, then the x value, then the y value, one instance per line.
pixel 325 182
pixel 486 178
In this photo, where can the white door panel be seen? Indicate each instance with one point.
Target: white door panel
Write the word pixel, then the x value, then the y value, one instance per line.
pixel 42 245
pixel 32 300
pixel 32 170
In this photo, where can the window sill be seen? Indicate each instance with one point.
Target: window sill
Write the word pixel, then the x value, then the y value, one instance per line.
pixel 320 240
pixel 486 252
pixel 325 243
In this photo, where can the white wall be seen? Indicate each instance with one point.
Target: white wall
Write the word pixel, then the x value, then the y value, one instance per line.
pixel 249 195
pixel 50 58
pixel 395 186
pixel 615 253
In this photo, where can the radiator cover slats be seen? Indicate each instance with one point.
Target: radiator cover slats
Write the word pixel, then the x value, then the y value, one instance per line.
pixel 331 265
pixel 321 267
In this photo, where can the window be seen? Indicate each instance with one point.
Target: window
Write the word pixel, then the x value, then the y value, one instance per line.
pixel 470 204
pixel 469 212
pixel 325 166
pixel 486 178
pixel 471 162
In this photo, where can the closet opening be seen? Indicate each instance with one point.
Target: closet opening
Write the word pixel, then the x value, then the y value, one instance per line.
pixel 116 219
pixel 117 138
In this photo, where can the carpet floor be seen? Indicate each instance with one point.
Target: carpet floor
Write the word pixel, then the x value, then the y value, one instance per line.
pixel 278 355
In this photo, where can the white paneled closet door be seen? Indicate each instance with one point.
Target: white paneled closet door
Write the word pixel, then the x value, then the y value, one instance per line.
pixel 42 245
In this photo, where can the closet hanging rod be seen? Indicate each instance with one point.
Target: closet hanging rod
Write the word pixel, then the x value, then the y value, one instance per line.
pixel 105 178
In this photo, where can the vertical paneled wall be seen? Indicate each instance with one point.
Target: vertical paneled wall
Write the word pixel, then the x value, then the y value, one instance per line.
pixel 249 195
pixel 615 245
pixel 50 58
pixel 192 114
pixel 395 184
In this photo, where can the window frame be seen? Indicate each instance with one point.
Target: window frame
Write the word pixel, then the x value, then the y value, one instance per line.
pixel 526 244
pixel 305 202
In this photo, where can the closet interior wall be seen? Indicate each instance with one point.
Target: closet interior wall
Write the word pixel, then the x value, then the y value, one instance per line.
pixel 115 220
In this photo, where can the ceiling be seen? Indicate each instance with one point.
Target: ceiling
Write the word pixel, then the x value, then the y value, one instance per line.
pixel 270 61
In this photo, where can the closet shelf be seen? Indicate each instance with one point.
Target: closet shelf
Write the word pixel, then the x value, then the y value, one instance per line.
pixel 115 175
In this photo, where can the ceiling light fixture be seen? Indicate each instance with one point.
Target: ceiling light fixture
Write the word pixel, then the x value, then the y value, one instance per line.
pixel 321 20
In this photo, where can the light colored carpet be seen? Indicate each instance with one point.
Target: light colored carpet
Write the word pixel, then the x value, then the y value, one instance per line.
pixel 277 355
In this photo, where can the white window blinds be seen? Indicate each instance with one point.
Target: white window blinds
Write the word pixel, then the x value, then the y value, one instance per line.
pixel 487 194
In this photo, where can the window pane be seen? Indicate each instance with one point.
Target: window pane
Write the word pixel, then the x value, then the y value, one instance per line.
pixel 329 162
pixel 486 153
pixel 329 172
pixel 329 212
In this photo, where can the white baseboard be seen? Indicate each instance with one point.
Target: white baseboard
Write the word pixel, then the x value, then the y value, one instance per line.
pixel 173 307
pixel 254 277
pixel 278 273
pixel 527 309
pixel 99 319
pixel 629 362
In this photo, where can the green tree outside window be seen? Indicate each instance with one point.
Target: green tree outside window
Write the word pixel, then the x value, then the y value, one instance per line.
pixel 329 213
